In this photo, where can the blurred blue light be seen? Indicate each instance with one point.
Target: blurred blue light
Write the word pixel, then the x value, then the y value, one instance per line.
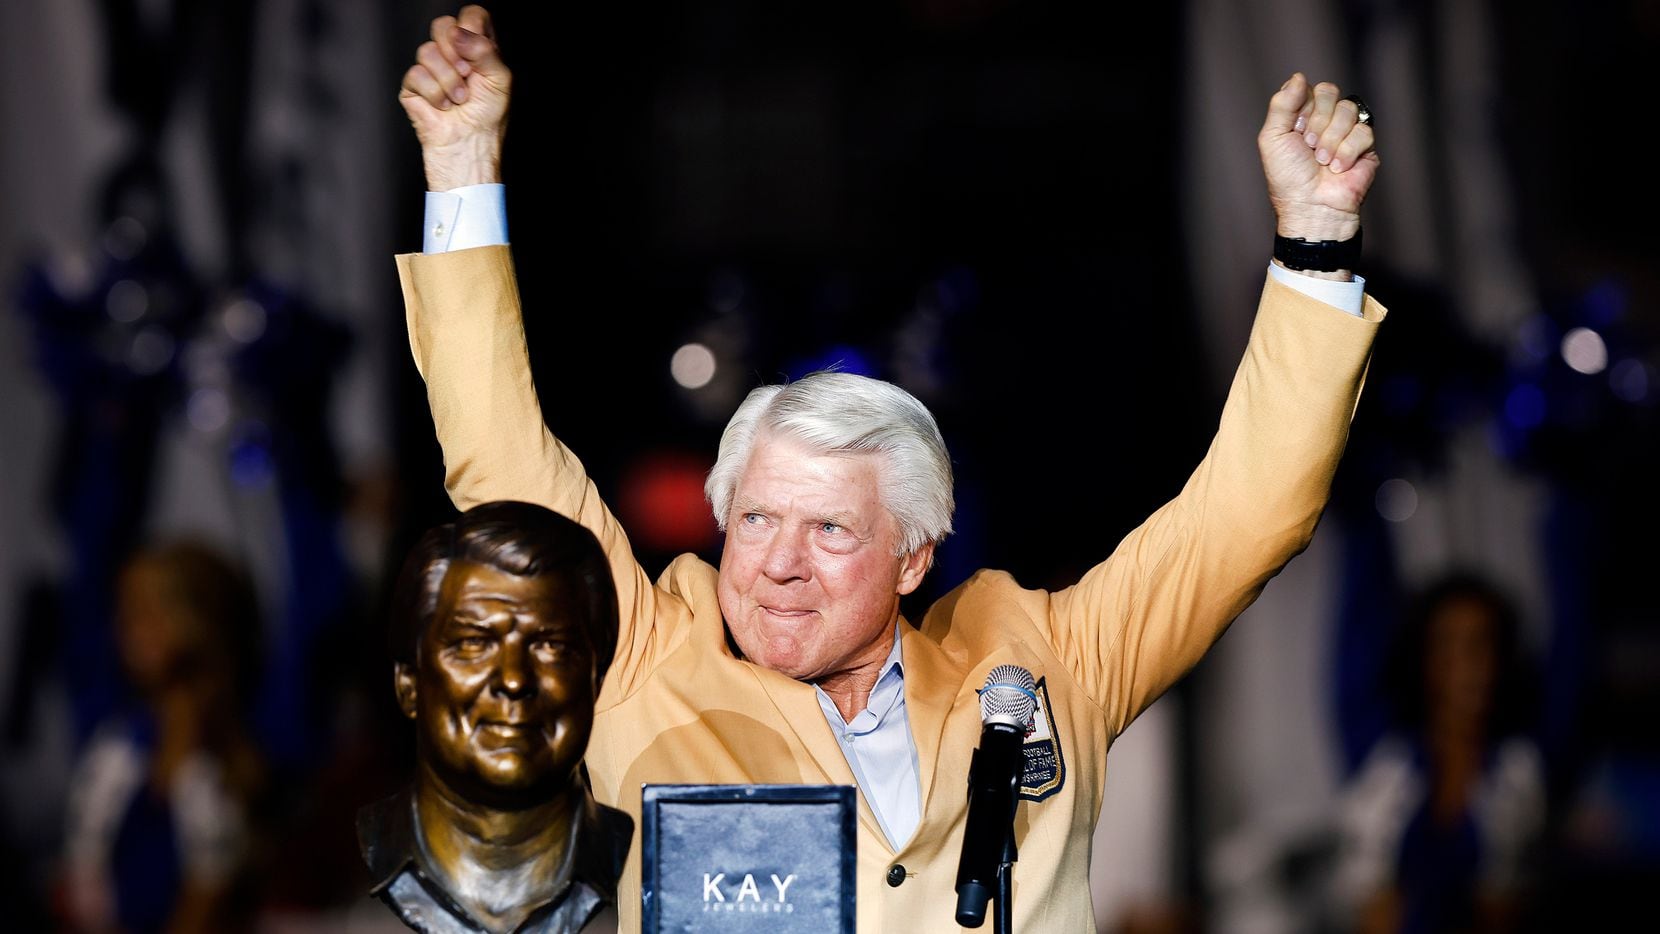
pixel 1605 303
pixel 1533 341
pixel 1630 380
pixel 1524 407
pixel 251 462
pixel 841 358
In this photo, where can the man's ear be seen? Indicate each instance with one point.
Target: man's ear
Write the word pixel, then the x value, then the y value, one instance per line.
pixel 403 685
pixel 915 566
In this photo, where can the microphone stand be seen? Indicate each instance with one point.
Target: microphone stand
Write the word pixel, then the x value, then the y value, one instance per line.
pixel 1001 922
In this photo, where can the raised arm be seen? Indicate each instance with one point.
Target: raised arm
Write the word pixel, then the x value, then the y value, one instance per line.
pixel 1141 619
pixel 466 328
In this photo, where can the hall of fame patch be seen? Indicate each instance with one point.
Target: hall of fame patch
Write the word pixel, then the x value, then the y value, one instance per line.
pixel 1045 769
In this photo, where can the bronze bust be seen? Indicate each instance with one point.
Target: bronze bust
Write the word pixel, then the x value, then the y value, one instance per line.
pixel 503 625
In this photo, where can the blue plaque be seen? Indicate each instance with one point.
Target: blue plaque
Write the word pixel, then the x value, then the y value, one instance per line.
pixel 742 858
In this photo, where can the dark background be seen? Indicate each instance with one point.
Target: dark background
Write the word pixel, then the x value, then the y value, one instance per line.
pixel 997 205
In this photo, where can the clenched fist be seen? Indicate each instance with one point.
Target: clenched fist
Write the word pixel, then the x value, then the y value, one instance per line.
pixel 1319 159
pixel 456 96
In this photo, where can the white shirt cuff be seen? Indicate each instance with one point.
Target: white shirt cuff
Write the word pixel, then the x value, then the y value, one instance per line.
pixel 465 217
pixel 1346 296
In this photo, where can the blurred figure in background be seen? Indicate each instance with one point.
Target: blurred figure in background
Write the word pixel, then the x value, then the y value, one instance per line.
pixel 1440 827
pixel 161 804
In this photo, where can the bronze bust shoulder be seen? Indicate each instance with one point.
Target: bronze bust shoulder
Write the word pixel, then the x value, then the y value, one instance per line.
pixel 503 624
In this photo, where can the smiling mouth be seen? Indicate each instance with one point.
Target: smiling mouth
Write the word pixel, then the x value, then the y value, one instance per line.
pixel 503 729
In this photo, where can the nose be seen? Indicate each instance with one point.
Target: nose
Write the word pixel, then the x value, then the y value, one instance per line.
pixel 786 558
pixel 513 674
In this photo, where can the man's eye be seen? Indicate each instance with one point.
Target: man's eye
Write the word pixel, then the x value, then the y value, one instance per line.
pixel 473 644
pixel 754 518
pixel 829 527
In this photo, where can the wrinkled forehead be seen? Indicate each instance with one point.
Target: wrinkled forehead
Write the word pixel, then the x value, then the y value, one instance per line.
pixel 471 588
pixel 785 465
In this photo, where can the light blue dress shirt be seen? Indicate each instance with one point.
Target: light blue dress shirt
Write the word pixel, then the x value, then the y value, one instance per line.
pixel 879 750
pixel 878 743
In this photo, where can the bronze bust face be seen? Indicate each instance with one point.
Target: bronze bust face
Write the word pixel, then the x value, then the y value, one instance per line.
pixel 503 688
pixel 504 622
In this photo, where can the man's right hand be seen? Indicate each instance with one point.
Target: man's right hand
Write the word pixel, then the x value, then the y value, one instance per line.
pixel 456 96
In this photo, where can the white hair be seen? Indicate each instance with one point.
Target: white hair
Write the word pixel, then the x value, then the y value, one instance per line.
pixel 844 413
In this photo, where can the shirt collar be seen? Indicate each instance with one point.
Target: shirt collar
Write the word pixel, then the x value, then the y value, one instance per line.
pixel 386 835
pixel 893 662
pixel 887 693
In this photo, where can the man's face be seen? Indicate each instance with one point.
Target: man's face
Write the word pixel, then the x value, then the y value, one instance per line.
pixel 809 579
pixel 504 684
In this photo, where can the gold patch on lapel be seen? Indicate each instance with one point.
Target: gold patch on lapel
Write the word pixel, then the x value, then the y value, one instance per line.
pixel 1045 769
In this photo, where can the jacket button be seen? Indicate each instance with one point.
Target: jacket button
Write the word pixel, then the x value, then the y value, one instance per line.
pixel 896 875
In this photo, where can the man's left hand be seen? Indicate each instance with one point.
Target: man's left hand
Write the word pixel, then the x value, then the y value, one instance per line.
pixel 1319 160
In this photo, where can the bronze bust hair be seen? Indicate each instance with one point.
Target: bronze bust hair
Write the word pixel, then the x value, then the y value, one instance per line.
pixel 522 539
pixel 503 625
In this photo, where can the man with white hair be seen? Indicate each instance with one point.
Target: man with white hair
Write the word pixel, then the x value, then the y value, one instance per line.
pixel 791 662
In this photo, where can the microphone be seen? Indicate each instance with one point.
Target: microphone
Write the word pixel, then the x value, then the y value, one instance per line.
pixel 1006 706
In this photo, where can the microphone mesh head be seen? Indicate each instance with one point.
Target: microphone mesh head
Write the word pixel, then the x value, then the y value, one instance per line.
pixel 1009 696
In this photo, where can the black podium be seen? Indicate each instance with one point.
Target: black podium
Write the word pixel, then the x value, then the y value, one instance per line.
pixel 741 858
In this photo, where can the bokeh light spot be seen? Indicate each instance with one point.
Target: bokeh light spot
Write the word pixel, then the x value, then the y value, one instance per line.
pixel 208 410
pixel 1583 349
pixel 693 366
pixel 244 320
pixel 150 351
pixel 1397 500
pixel 1630 380
pixel 127 301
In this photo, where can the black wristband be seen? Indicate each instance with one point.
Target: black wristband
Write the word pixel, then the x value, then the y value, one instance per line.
pixel 1318 255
